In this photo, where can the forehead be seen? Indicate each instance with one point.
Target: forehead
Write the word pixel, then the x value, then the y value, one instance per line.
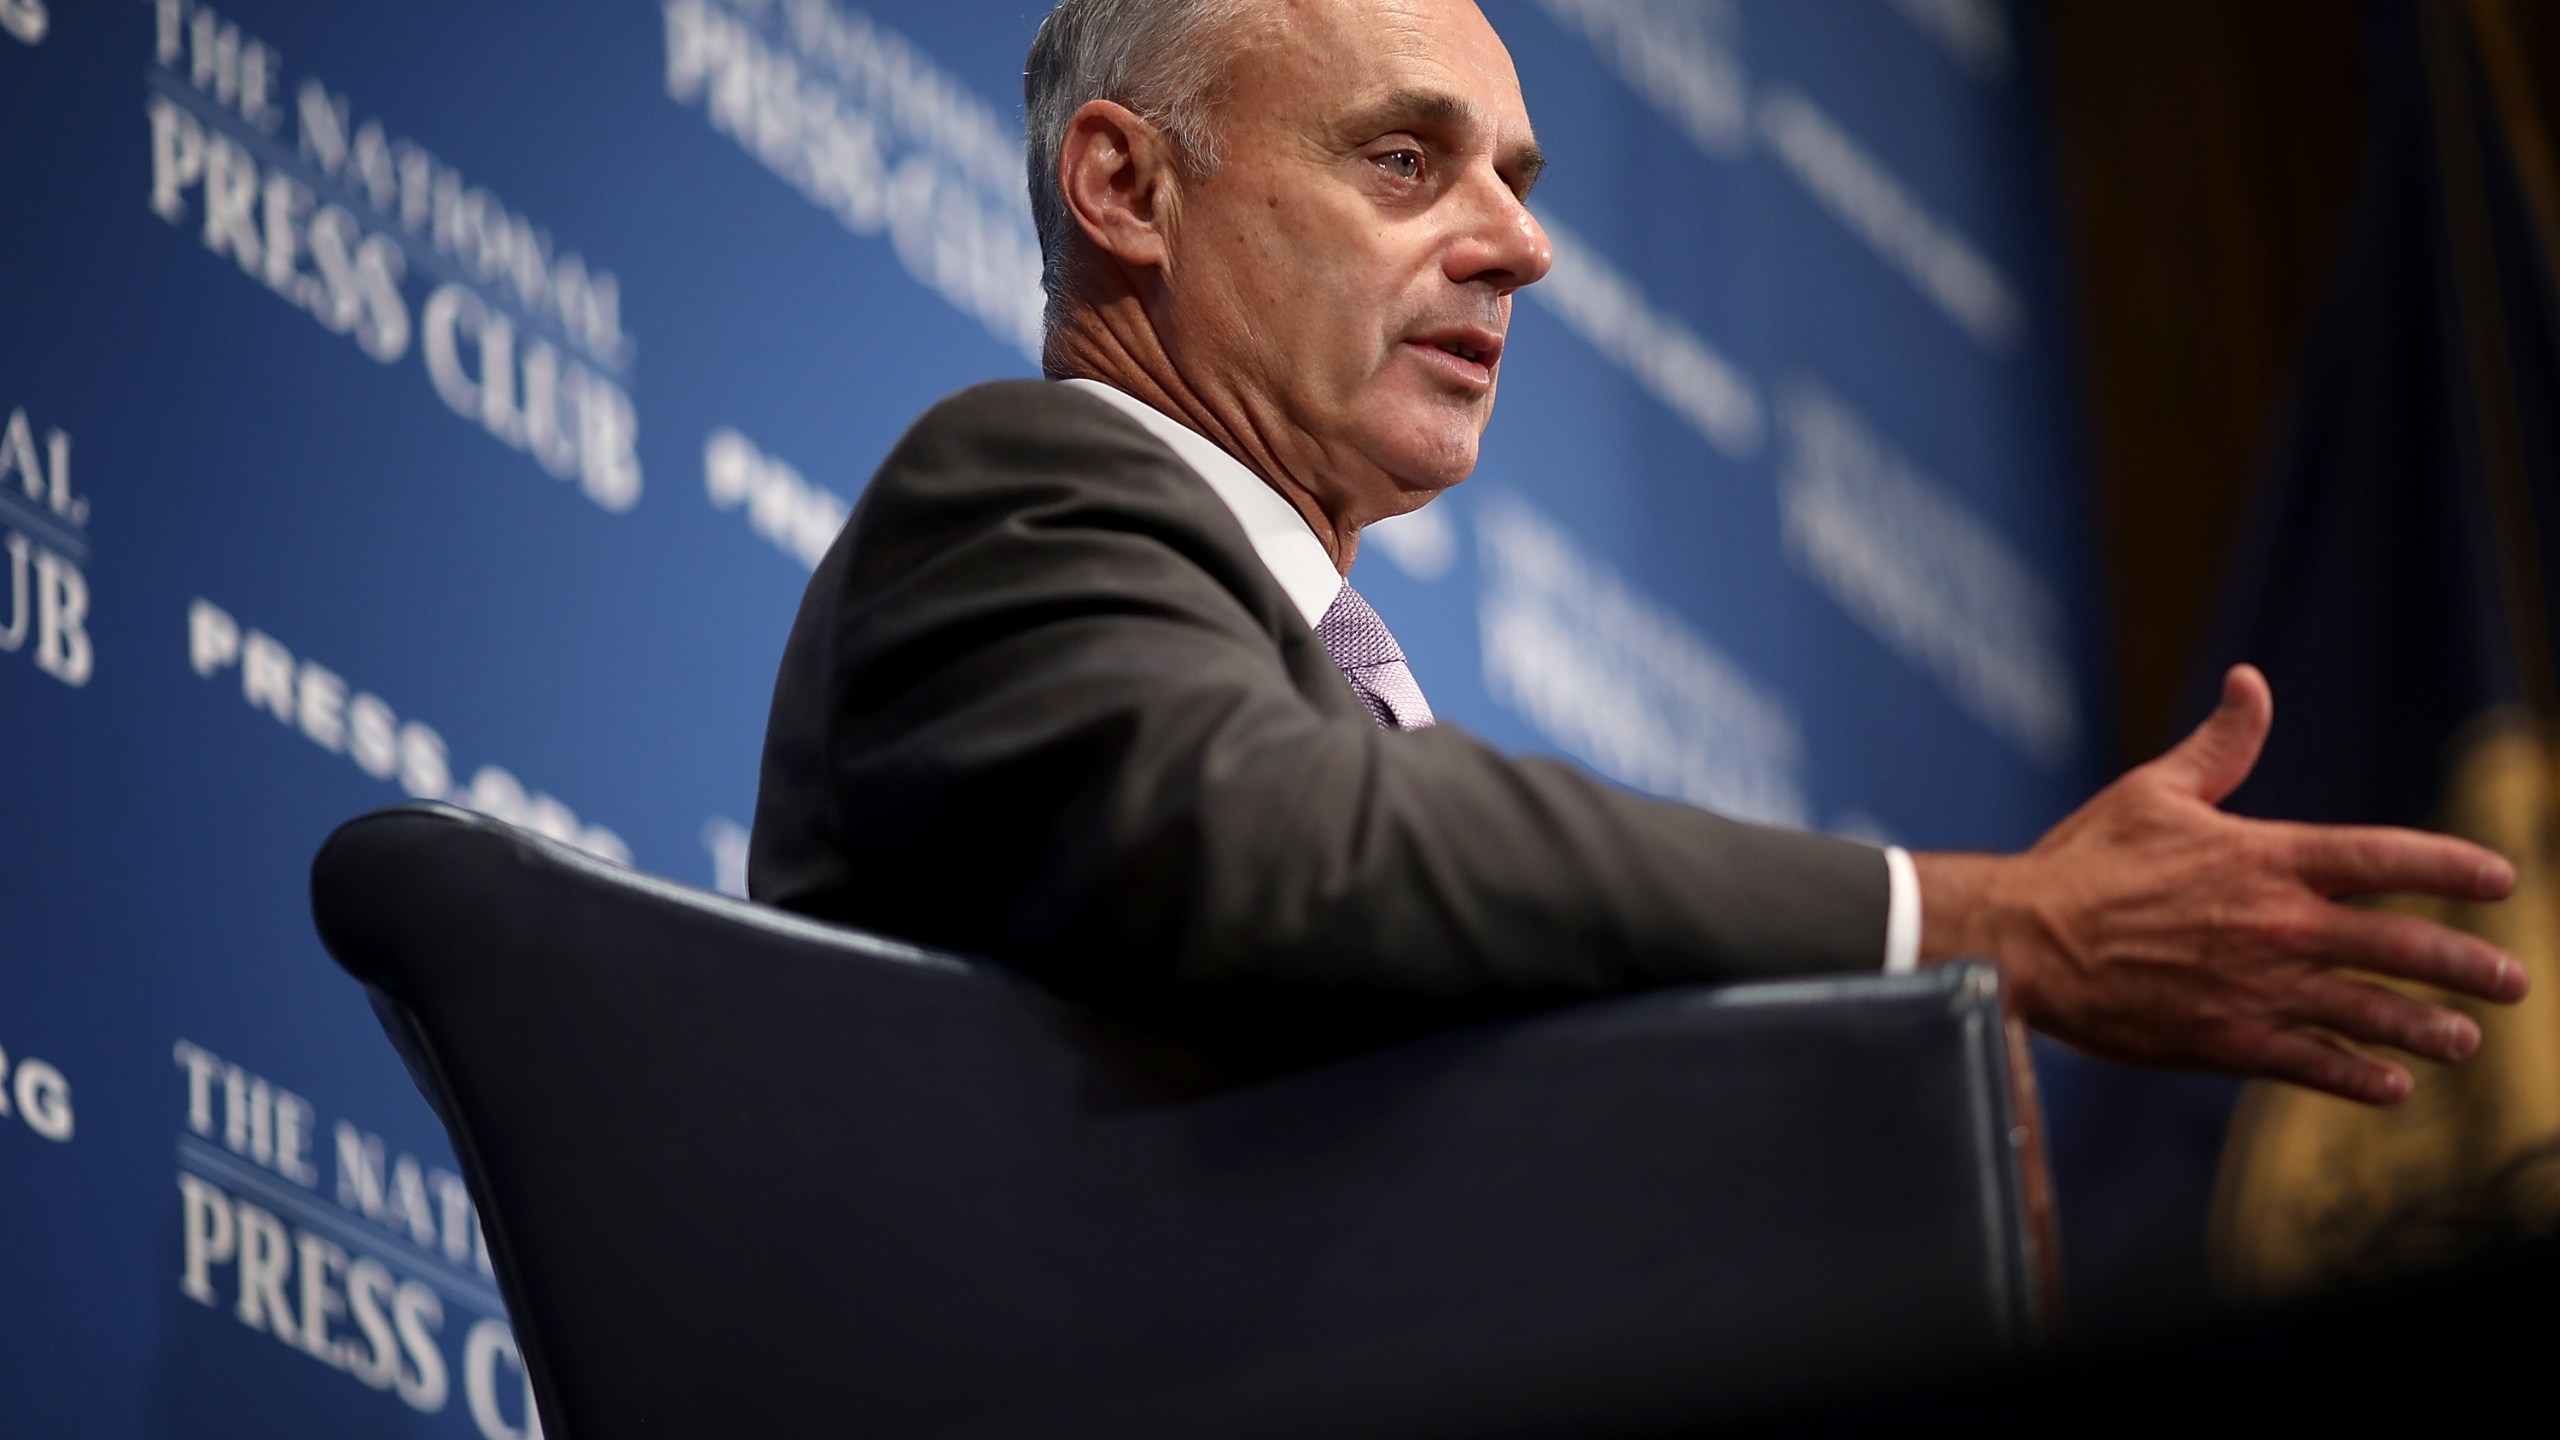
pixel 1320 58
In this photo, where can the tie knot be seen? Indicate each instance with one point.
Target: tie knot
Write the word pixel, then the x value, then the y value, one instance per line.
pixel 1369 657
pixel 1354 635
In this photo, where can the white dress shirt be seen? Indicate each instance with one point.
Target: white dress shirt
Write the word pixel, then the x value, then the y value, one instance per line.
pixel 1298 560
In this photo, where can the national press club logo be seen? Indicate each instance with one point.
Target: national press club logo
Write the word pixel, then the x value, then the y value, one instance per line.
pixel 44 546
pixel 347 220
pixel 356 1256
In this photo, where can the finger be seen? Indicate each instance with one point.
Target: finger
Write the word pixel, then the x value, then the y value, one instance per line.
pixel 2415 949
pixel 2212 762
pixel 2323 1064
pixel 2376 1016
pixel 2373 859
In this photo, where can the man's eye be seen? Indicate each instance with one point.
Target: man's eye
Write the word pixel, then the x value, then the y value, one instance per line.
pixel 1402 164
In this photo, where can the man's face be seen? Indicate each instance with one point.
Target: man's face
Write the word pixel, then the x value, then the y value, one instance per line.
pixel 1345 274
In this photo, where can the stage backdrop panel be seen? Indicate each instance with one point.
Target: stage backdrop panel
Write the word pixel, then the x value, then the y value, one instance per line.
pixel 449 400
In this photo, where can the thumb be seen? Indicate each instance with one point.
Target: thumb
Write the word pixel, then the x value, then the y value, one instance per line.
pixel 2213 761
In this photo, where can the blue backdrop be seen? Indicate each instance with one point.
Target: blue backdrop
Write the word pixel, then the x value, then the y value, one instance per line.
pixel 449 400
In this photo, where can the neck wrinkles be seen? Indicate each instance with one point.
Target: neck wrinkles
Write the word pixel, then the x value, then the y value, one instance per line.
pixel 1117 346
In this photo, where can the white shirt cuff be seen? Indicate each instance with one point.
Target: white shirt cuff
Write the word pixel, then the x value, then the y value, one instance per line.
pixel 1902 913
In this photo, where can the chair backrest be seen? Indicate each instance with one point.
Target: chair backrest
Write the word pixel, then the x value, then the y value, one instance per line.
pixel 743 1173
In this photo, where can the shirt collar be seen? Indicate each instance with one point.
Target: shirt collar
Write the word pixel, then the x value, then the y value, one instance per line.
pixel 1280 535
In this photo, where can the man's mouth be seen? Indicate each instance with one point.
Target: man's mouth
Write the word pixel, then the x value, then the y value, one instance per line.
pixel 1471 351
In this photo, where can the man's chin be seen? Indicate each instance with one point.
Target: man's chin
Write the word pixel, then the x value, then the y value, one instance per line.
pixel 1421 435
pixel 1425 464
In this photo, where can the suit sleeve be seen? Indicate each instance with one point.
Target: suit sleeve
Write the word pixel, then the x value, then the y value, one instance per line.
pixel 1043 705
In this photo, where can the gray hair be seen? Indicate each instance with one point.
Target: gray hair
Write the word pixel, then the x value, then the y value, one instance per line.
pixel 1158 57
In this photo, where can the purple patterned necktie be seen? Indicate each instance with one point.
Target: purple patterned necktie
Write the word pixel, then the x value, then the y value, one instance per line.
pixel 1372 661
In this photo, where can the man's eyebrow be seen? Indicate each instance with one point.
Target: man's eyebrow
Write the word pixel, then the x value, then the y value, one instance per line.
pixel 1413 105
pixel 1440 110
pixel 1528 162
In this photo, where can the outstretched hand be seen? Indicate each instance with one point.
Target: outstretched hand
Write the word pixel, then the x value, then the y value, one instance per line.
pixel 2152 926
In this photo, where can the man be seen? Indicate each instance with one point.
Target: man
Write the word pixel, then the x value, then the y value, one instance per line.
pixel 1082 687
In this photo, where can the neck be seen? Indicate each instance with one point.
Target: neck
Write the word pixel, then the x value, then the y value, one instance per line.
pixel 1117 344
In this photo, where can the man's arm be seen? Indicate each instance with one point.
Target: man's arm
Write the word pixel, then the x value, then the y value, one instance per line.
pixel 2152 926
pixel 1061 716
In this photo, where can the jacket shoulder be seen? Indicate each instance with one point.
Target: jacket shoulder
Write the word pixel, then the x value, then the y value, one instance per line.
pixel 1024 462
pixel 997 404
pixel 1026 426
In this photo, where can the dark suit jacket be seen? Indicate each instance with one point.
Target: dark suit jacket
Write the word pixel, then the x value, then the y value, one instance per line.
pixel 1044 704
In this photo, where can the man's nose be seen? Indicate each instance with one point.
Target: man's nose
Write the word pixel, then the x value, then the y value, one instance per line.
pixel 1502 244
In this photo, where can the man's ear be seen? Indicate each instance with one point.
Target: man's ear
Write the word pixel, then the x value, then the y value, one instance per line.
pixel 1117 174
